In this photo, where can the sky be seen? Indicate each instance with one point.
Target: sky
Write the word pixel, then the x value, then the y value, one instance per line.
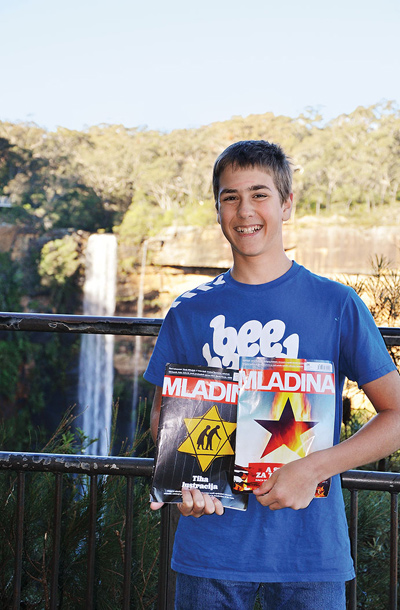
pixel 178 64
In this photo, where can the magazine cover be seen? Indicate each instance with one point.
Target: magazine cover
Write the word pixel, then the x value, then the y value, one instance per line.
pixel 286 410
pixel 196 434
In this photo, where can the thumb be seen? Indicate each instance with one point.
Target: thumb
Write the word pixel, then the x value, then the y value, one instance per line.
pixel 264 488
pixel 156 505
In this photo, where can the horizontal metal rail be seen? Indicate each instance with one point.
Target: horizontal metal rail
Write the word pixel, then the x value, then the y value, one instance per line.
pixel 371 480
pixel 76 464
pixel 96 325
pixel 113 325
pixel 390 335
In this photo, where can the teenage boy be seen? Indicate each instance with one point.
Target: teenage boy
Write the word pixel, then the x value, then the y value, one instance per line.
pixel 290 548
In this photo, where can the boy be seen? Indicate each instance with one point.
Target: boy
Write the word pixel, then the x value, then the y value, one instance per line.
pixel 291 549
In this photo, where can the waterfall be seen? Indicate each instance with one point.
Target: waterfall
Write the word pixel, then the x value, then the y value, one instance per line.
pixel 96 371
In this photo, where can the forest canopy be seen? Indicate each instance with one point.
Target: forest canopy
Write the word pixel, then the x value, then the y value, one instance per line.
pixel 136 181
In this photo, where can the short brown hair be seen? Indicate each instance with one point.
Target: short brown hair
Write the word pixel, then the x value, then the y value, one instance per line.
pixel 256 153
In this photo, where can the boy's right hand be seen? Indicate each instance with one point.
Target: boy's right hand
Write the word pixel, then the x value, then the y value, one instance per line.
pixel 196 504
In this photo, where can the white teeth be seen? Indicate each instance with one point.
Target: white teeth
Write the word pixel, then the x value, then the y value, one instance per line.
pixel 248 229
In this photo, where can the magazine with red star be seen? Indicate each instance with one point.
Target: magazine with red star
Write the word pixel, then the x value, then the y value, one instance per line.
pixel 196 435
pixel 286 410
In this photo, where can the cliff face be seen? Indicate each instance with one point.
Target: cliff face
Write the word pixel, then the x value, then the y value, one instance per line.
pixel 331 250
pixel 15 239
pixel 181 258
pixel 323 248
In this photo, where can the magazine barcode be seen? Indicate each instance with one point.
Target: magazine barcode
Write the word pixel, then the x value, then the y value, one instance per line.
pixel 322 367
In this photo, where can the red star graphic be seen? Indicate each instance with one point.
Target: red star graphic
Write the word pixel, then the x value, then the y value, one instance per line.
pixel 285 431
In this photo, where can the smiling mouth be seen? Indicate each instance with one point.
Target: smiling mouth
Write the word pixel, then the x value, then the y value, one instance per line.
pixel 249 230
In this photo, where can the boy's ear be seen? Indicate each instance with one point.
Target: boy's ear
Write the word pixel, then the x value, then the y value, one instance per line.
pixel 287 207
pixel 218 214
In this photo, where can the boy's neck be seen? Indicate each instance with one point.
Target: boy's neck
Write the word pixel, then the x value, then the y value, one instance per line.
pixel 258 272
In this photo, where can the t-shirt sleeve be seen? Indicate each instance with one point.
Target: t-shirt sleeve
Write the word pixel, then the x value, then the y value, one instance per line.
pixel 168 349
pixel 363 354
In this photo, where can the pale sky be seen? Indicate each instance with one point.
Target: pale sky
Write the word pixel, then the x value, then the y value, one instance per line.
pixel 181 64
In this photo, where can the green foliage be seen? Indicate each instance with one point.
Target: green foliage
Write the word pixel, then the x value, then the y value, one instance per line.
pixel 110 534
pixel 11 280
pixel 143 218
pixel 77 206
pixel 59 261
pixel 10 363
pixel 356 420
pixel 36 372
pixel 90 180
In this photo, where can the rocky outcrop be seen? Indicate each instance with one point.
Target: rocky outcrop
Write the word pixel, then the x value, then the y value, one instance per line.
pixel 15 239
pixel 197 248
pixel 323 248
pixel 334 249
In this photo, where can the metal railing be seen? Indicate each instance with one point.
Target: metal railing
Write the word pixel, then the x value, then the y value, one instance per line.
pixel 59 465
pixel 130 468
pixel 356 480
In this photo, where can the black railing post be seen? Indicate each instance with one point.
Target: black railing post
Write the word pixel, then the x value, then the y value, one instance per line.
pixel 19 538
pixel 394 550
pixel 128 544
pixel 167 577
pixel 55 562
pixel 91 542
pixel 353 532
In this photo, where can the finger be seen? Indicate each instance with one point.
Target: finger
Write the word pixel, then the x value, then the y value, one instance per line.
pixel 201 503
pixel 269 500
pixel 209 505
pixel 263 489
pixel 196 504
pixel 265 486
pixel 156 505
pixel 193 502
pixel 186 506
pixel 265 499
pixel 275 506
pixel 219 509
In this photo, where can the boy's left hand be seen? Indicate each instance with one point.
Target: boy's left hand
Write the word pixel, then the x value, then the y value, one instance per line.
pixel 291 486
pixel 195 504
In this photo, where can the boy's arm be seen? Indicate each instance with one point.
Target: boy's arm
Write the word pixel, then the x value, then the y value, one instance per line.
pixel 194 503
pixel 294 484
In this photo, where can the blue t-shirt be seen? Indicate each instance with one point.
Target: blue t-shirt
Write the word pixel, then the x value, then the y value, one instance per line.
pixel 299 315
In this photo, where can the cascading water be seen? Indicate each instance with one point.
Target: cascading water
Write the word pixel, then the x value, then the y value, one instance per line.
pixel 96 371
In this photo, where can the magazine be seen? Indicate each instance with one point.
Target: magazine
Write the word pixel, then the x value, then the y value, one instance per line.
pixel 286 410
pixel 196 435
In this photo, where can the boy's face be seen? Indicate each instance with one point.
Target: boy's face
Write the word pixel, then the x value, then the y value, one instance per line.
pixel 250 212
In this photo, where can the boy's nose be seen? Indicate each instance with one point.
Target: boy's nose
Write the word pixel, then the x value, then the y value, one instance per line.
pixel 245 208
